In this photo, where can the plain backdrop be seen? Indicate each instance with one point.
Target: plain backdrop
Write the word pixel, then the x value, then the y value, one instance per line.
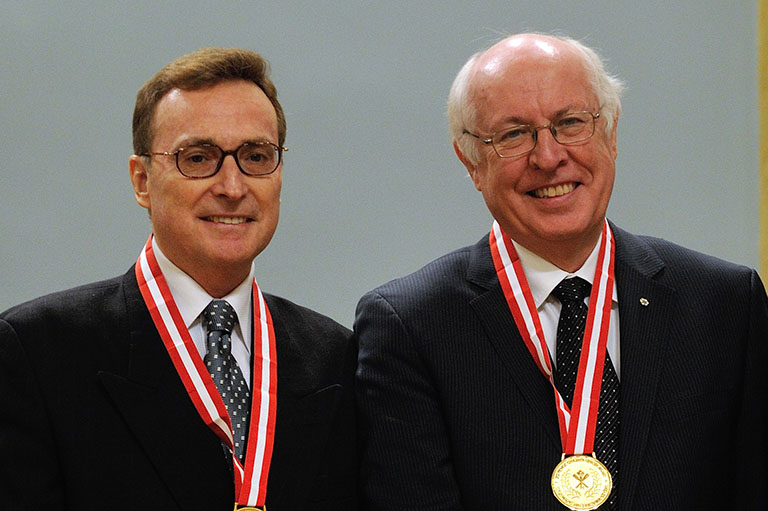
pixel 371 187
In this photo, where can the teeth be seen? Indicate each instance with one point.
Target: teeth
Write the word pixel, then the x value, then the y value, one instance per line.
pixel 227 219
pixel 554 191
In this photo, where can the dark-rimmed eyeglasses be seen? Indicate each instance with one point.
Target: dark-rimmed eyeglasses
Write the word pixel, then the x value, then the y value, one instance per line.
pixel 205 160
pixel 567 129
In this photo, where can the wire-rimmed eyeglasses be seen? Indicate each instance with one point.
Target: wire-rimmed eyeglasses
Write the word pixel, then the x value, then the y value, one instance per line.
pixel 205 160
pixel 569 128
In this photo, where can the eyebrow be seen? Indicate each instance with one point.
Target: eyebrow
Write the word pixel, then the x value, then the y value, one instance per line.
pixel 513 120
pixel 194 141
pixel 209 141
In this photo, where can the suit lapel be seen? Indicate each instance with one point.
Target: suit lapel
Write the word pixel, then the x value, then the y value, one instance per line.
pixel 644 333
pixel 646 313
pixel 156 408
pixel 494 314
pixel 304 415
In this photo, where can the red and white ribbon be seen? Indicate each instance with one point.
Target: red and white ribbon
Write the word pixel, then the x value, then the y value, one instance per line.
pixel 577 424
pixel 251 478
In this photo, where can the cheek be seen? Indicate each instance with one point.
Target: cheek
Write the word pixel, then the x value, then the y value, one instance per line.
pixel 167 192
pixel 603 175
pixel 268 198
pixel 597 162
pixel 500 195
pixel 275 189
pixel 174 206
pixel 504 180
pixel 607 169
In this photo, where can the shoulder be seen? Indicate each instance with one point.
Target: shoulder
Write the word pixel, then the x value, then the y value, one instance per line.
pixel 81 327
pixel 674 261
pixel 438 293
pixel 437 278
pixel 303 319
pixel 311 335
pixel 318 350
pixel 701 280
pixel 83 304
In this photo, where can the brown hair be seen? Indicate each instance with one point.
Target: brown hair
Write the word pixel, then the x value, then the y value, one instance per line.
pixel 204 68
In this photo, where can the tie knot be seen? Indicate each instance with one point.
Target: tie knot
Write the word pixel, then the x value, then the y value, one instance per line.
pixel 219 316
pixel 574 289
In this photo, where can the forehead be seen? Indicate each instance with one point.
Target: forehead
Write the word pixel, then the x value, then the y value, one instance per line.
pixel 227 113
pixel 530 86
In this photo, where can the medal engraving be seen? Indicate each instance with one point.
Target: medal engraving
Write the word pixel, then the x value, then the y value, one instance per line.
pixel 581 483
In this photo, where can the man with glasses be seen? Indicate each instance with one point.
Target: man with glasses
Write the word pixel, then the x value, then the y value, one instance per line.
pixel 180 385
pixel 560 362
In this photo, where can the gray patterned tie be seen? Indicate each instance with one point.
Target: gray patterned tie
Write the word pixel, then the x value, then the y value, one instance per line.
pixel 219 319
pixel 570 334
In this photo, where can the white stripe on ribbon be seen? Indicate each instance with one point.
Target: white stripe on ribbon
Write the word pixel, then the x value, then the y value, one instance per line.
pixel 593 345
pixel 176 337
pixel 265 397
pixel 519 296
pixel 598 332
pixel 181 349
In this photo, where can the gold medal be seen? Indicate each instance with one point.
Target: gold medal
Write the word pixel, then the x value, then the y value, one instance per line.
pixel 249 508
pixel 581 482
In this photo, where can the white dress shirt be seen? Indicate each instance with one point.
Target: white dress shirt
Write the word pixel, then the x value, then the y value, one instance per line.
pixel 191 299
pixel 543 277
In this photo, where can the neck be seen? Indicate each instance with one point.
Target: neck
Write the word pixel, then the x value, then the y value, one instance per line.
pixel 569 262
pixel 219 284
pixel 217 278
pixel 568 255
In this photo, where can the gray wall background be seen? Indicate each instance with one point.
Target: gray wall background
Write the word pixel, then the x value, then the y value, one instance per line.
pixel 372 189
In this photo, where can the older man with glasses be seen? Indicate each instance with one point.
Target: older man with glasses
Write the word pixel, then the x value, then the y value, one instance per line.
pixel 561 362
pixel 181 385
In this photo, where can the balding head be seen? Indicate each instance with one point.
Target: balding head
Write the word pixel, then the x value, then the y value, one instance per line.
pixel 501 62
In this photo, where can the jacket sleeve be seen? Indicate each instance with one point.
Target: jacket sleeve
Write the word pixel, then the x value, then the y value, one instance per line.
pixel 29 471
pixel 752 430
pixel 405 450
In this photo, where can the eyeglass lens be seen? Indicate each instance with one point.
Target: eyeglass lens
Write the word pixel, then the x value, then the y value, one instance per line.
pixel 568 129
pixel 204 160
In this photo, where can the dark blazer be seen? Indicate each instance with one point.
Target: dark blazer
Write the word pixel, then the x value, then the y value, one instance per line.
pixel 93 415
pixel 454 413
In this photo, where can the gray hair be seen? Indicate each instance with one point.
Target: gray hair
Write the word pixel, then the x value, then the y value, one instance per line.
pixel 462 113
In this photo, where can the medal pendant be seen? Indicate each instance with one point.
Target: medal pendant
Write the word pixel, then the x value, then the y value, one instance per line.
pixel 249 508
pixel 581 482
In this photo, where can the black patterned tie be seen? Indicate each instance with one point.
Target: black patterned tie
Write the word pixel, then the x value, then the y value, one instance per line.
pixel 219 319
pixel 570 334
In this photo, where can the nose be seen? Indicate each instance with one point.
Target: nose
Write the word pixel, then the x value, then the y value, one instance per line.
pixel 230 182
pixel 548 154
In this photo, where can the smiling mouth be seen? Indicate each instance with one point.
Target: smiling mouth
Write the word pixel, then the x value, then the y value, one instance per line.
pixel 232 220
pixel 548 192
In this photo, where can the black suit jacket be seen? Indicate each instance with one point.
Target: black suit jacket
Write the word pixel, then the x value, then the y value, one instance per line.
pixel 94 416
pixel 454 413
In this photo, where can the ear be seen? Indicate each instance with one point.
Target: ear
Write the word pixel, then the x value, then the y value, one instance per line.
pixel 613 145
pixel 139 170
pixel 471 167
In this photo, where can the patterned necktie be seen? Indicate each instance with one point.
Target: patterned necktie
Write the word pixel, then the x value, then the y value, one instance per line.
pixel 219 319
pixel 570 334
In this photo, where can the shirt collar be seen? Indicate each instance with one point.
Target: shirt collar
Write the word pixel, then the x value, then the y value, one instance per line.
pixel 543 276
pixel 191 299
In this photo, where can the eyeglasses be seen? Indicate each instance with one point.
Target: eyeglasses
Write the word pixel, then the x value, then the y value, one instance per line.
pixel 205 160
pixel 567 129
